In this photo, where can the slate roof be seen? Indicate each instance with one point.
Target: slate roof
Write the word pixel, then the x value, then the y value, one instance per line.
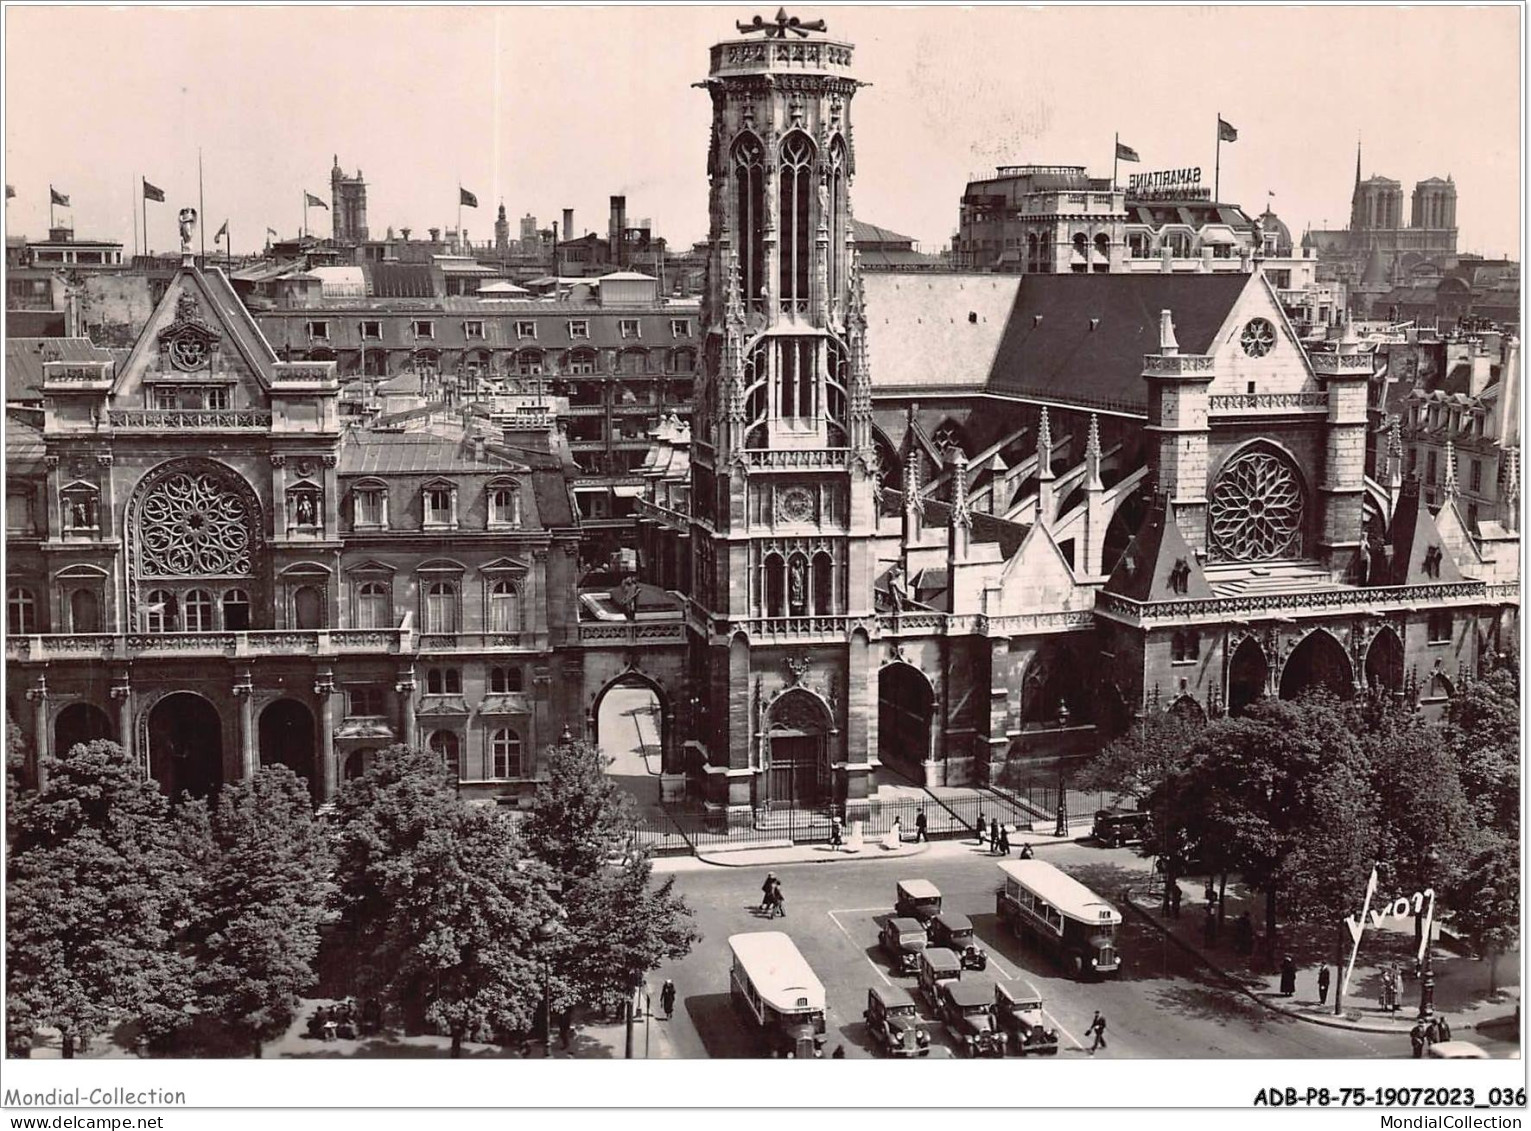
pixel 1050 350
pixel 864 233
pixel 1412 538
pixel 23 445
pixel 415 453
pixel 401 280
pixel 24 359
pixel 1152 558
pixel 986 527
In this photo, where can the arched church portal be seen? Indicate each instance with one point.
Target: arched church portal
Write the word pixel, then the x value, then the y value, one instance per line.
pixel 905 705
pixel 287 738
pixel 1384 662
pixel 186 745
pixel 797 751
pixel 1319 662
pixel 1246 675
pixel 629 726
pixel 77 724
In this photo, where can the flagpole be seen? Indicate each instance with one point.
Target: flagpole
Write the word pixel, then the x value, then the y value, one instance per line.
pixel 305 213
pixel 135 232
pixel 202 209
pixel 143 202
pixel 50 205
pixel 1217 162
pixel 1116 152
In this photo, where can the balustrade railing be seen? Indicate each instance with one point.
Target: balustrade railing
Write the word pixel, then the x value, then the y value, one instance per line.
pixel 1269 402
pixel 178 419
pixel 633 633
pixel 769 458
pixel 1379 598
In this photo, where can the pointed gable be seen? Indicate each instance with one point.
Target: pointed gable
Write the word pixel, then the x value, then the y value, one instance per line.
pixel 1038 578
pixel 1419 555
pixel 1457 537
pixel 1158 565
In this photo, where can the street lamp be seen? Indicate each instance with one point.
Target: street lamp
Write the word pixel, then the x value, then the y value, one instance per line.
pixel 1427 969
pixel 546 932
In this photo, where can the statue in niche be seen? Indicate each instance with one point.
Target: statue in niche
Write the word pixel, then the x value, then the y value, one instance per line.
pixel 797 585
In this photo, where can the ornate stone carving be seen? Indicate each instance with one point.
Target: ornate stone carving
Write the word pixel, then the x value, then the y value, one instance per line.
pixel 1256 508
pixel 192 524
pixel 797 669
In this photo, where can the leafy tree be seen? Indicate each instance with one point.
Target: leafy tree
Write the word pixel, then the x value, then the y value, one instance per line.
pixel 93 878
pixel 471 920
pixel 383 818
pixel 255 933
pixel 1136 763
pixel 618 925
pixel 1483 732
pixel 1486 900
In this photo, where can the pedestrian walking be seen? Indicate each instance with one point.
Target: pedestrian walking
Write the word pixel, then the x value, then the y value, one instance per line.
pixel 765 891
pixel 894 837
pixel 1210 894
pixel 1026 852
pixel 1323 984
pixel 919 828
pixel 1417 1038
pixel 993 835
pixel 1209 929
pixel 1432 1031
pixel 1097 1027
pixel 1288 976
pixel 1442 1029
pixel 1004 840
pixel 981 828
pixel 667 999
pixel 778 904
pixel 834 830
pixel 1175 901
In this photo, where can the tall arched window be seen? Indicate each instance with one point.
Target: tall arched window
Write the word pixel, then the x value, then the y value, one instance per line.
pixel 199 611
pixel 775 586
pixel 446 746
pixel 504 607
pixel 20 611
pixel 797 378
pixel 161 612
pixel 505 754
pixel 823 584
pixel 308 607
pixel 749 214
pixel 796 221
pixel 441 607
pixel 372 605
pixel 84 611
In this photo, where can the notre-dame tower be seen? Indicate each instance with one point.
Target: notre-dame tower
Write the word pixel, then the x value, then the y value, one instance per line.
pixel 783 489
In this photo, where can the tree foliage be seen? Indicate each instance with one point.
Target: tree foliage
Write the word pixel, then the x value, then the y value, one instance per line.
pixel 580 815
pixel 1486 897
pixel 1483 732
pixel 94 879
pixel 254 934
pixel 1137 762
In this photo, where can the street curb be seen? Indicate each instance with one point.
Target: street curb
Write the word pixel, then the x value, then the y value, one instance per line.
pixel 918 850
pixel 1329 1023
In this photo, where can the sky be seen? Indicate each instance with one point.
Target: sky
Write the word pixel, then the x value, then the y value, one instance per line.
pixel 548 108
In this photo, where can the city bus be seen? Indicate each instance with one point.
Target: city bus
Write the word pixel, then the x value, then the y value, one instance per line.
pixel 1062 916
pixel 775 988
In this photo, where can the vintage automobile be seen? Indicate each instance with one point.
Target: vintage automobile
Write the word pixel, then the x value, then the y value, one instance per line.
pixel 917 899
pixel 967 1009
pixel 893 1022
pixel 902 940
pixel 954 931
pixel 937 967
pixel 1115 827
pixel 1020 1015
pixel 1455 1050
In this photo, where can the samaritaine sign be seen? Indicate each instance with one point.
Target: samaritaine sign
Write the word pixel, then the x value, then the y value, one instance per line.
pixel 1165 180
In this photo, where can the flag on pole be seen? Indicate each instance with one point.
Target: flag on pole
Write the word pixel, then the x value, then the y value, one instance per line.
pixel 58 198
pixel 312 201
pixel 221 232
pixel 1225 132
pixel 466 198
pixel 271 231
pixel 1126 153
pixel 152 193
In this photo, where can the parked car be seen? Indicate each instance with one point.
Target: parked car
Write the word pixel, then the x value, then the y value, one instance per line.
pixel 1115 827
pixel 902 940
pixel 954 931
pixel 937 967
pixel 1020 1015
pixel 967 1008
pixel 1455 1050
pixel 917 899
pixel 893 1022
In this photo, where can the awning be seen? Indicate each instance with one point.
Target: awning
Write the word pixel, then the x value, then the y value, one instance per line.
pixel 625 491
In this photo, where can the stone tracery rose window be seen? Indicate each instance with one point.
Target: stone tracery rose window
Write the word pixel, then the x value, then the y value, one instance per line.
pixel 192 524
pixel 1255 512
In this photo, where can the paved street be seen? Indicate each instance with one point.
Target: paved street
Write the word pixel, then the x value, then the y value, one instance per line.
pixel 1161 1005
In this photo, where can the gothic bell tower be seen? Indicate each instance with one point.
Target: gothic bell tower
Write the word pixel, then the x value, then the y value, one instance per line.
pixel 783 488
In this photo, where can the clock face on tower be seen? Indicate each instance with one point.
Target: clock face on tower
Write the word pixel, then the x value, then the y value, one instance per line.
pixel 795 504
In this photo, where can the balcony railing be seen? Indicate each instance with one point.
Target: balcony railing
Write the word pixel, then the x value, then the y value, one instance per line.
pixel 633 633
pixel 240 645
pixel 475 641
pixel 184 420
pixel 1269 402
pixel 1380 599
pixel 797 457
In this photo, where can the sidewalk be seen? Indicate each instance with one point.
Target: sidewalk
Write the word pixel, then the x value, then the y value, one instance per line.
pixel 775 855
pixel 1461 982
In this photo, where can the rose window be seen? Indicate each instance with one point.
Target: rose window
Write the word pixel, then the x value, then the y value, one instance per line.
pixel 188 352
pixel 192 525
pixel 1258 338
pixel 1256 509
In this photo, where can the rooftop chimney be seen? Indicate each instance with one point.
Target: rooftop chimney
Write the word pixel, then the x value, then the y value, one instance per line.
pixel 568 224
pixel 618 226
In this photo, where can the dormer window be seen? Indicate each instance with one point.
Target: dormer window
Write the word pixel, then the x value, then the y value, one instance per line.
pixel 473 331
pixel 680 327
pixel 504 503
pixel 372 331
pixel 439 502
pixel 526 330
pixel 424 328
pixel 579 328
pixel 629 328
pixel 318 331
pixel 369 505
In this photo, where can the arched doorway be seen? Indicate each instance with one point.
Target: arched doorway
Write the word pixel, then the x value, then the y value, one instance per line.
pixel 1246 675
pixel 629 727
pixel 79 723
pixel 1318 662
pixel 905 703
pixel 1055 691
pixel 186 745
pixel 286 737
pixel 356 763
pixel 797 751
pixel 1384 662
